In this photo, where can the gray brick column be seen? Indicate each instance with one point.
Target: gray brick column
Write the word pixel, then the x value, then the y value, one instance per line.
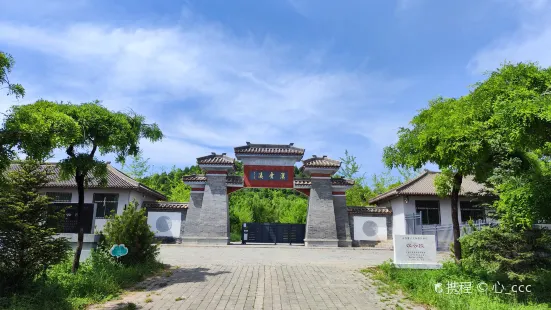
pixel 320 224
pixel 192 228
pixel 342 221
pixel 214 218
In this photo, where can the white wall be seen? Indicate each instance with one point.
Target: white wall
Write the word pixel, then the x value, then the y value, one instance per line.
pixel 398 216
pixel 400 208
pixel 125 196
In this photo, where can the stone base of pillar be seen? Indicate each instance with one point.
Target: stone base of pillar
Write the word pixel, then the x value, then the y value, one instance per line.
pixel 345 243
pixel 206 240
pixel 321 242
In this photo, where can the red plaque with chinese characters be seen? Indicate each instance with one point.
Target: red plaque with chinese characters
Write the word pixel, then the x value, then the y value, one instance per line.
pixel 269 176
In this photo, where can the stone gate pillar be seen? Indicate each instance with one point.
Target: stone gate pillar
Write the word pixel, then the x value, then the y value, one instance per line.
pixel 321 224
pixel 207 219
pixel 339 187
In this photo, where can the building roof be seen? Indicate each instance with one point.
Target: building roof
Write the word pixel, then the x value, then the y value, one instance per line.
pixel 369 210
pixel 269 149
pixel 216 160
pixel 342 182
pixel 116 179
pixel 423 185
pixel 167 205
pixel 234 179
pixel 194 178
pixel 320 162
pixel 302 183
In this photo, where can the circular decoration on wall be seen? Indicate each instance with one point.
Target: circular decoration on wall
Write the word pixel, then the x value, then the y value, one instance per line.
pixel 163 224
pixel 370 228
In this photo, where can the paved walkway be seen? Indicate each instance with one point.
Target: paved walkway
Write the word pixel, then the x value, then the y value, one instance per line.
pixel 258 277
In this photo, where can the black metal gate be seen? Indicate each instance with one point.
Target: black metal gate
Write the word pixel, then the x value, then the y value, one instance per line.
pixel 272 233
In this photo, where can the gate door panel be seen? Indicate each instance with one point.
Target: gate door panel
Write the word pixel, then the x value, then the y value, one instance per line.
pixel 272 233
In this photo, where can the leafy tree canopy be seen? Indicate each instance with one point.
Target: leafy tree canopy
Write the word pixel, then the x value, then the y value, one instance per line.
pixel 492 127
pixel 27 240
pixel 83 131
pixel 6 65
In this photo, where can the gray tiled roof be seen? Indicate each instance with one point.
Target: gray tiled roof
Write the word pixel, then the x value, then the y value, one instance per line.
pixel 269 149
pixel 115 179
pixel 320 162
pixel 342 181
pixel 234 179
pixel 217 160
pixel 164 205
pixel 336 181
pixel 194 178
pixel 423 185
pixel 369 210
pixel 303 182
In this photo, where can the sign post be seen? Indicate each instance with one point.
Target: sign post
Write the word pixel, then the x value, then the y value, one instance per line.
pixel 415 251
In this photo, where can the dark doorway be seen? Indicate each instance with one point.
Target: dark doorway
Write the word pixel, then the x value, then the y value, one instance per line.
pixel 272 233
pixel 68 221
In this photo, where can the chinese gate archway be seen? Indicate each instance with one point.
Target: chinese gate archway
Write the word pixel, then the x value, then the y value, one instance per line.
pixel 267 166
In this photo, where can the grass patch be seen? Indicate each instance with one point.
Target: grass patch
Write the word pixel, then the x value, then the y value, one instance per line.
pixel 419 286
pixel 235 236
pixel 99 279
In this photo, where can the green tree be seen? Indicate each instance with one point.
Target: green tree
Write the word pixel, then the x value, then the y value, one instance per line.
pixel 360 193
pixel 350 169
pixel 27 242
pixel 6 65
pixel 484 133
pixel 440 134
pixel 131 229
pixel 83 131
pixel 138 168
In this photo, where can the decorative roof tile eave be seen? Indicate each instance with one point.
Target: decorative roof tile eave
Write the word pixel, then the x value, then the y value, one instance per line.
pixel 216 160
pixel 115 180
pixel 423 185
pixel 269 149
pixel 320 162
pixel 342 182
pixel 165 205
pixel 195 178
pixel 234 180
pixel 369 210
pixel 302 183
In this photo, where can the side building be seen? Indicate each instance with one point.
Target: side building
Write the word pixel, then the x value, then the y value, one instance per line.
pixel 416 208
pixel 100 201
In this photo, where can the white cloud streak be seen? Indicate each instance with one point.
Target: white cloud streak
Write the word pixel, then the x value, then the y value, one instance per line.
pixel 530 42
pixel 202 85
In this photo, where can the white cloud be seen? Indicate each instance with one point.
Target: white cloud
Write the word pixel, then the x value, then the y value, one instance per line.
pixel 202 84
pixel 530 42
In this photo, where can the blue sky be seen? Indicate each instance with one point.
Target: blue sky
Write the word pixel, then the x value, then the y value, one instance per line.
pixel 326 75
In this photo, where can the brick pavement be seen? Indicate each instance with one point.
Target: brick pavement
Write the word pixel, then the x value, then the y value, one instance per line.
pixel 258 278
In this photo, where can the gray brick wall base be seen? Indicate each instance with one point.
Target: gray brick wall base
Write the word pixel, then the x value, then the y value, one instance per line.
pixel 345 243
pixel 207 220
pixel 206 240
pixel 321 228
pixel 321 242
pixel 342 221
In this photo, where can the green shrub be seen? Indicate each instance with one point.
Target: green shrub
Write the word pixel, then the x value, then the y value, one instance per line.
pixel 511 257
pixel 100 278
pixel 28 244
pixel 131 229
pixel 419 285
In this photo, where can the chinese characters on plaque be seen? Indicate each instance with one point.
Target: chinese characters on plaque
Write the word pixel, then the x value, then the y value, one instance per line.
pixel 415 251
pixel 266 175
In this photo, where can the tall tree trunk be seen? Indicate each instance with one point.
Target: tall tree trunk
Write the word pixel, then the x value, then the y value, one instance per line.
pixel 457 180
pixel 79 178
